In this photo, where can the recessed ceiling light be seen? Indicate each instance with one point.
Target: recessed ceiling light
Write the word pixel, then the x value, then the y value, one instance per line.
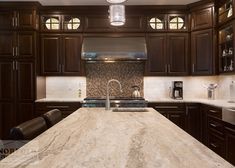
pixel 115 1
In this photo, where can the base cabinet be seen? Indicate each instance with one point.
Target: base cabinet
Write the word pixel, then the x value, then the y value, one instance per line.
pixel 175 112
pixel 230 144
pixel 194 121
pixel 17 93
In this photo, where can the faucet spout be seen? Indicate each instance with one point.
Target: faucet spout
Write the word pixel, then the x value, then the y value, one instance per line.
pixel 107 103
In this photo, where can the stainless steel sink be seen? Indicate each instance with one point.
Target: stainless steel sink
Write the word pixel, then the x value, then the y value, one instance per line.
pixel 130 110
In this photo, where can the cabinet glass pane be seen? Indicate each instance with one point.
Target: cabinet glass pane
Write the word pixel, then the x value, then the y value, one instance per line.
pixel 71 23
pixel 156 23
pixel 226 49
pixel 52 24
pixel 226 11
pixel 176 23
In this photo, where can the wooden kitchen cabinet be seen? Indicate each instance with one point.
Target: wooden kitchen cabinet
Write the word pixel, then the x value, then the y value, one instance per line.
pixel 230 144
pixel 157 58
pixel 194 121
pixel 225 11
pixel 61 54
pixel 17 93
pixel 21 44
pixel 202 60
pixel 167 54
pixel 177 51
pixel 18 19
pixel 50 54
pixel 175 112
pixel 202 18
pixel 66 108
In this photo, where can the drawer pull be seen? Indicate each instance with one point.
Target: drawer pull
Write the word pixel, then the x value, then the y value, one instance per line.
pixel 166 107
pixel 213 111
pixel 213 125
pixel 213 145
pixel 64 107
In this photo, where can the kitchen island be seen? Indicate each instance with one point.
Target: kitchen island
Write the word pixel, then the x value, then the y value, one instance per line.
pixel 95 138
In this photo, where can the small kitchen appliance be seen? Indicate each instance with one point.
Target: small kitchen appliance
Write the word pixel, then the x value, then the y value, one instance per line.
pixel 211 90
pixel 136 92
pixel 177 90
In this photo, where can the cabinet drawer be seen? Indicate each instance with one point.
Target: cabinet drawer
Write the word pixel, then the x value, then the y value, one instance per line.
pixel 168 106
pixel 214 112
pixel 215 126
pixel 216 144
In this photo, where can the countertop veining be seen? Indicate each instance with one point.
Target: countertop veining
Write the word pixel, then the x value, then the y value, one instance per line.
pixel 93 137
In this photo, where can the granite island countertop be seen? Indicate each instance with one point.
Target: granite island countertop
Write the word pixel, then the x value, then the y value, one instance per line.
pixel 93 137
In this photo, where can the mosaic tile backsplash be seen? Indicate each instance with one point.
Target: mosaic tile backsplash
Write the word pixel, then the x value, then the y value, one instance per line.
pixel 98 74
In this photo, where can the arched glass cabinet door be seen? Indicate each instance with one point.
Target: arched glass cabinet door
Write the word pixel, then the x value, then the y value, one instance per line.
pixel 156 23
pixel 72 23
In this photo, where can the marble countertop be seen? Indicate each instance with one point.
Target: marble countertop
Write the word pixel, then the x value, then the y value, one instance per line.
pixel 93 137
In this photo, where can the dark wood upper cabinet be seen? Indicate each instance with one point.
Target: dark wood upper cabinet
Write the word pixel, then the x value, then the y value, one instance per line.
pixel 61 54
pixel 25 44
pixel 6 19
pixel 157 58
pixel 177 51
pixel 167 54
pixel 50 54
pixel 202 52
pixel 71 54
pixel 26 19
pixel 202 19
pixel 225 11
pixel 7 43
pixel 19 44
pixel 18 19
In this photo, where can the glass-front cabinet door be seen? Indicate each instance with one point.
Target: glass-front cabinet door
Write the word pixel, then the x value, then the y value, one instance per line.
pixel 51 23
pixel 177 22
pixel 72 23
pixel 226 49
pixel 157 23
pixel 225 11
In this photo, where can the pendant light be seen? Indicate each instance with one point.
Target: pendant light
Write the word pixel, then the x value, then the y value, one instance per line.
pixel 116 1
pixel 117 15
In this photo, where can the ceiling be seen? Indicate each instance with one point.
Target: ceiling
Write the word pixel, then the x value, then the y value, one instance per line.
pixel 103 2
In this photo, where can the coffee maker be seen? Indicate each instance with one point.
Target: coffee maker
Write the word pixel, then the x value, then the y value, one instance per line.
pixel 177 90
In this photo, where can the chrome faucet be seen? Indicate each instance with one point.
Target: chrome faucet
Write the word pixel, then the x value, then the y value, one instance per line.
pixel 107 103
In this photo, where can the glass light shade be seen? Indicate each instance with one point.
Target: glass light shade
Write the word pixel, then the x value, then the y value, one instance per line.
pixel 116 1
pixel 117 15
